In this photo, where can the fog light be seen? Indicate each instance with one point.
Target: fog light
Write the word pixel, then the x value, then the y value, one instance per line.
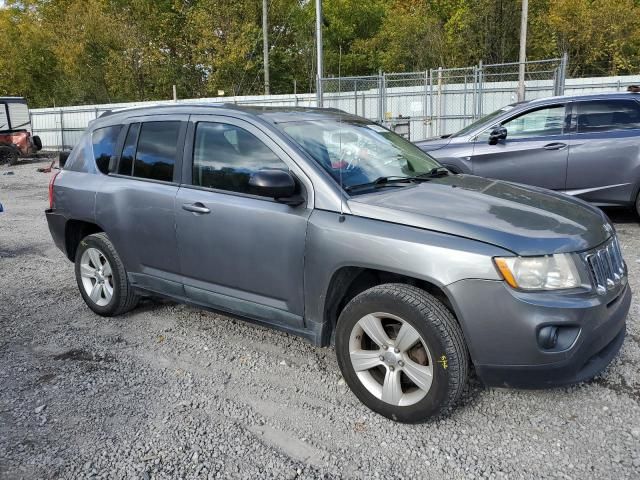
pixel 548 337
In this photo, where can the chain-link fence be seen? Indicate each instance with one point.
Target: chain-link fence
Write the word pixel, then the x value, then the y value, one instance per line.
pixel 416 104
pixel 443 100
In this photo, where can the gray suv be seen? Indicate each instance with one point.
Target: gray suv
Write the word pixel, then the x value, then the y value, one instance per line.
pixel 330 227
pixel 586 146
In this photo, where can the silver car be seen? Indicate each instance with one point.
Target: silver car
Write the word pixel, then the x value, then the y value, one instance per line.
pixel 587 146
pixel 330 227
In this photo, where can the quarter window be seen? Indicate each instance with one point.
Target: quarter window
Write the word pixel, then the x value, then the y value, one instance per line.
pixel 604 115
pixel 225 156
pixel 125 166
pixel 541 122
pixel 157 150
pixel 104 146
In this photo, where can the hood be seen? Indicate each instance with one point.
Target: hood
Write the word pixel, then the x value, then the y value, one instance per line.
pixel 525 220
pixel 433 143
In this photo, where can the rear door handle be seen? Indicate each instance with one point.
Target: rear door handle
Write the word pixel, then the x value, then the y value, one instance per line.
pixel 555 146
pixel 195 208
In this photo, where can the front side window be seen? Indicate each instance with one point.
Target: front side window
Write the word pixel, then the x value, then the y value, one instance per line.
pixel 225 156
pixel 356 152
pixel 104 145
pixel 157 150
pixel 605 115
pixel 541 122
pixel 483 120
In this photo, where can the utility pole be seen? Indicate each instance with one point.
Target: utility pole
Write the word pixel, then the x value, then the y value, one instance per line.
pixel 523 49
pixel 265 46
pixel 319 51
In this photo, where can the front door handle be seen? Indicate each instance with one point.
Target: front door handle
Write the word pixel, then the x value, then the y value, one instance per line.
pixel 195 208
pixel 555 146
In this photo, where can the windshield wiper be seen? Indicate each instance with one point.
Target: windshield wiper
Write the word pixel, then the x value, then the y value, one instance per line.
pixel 434 173
pixel 380 182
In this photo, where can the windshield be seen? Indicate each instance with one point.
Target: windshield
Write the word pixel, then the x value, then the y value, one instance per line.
pixel 357 152
pixel 483 120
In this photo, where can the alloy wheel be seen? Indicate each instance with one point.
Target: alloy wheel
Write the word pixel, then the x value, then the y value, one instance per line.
pixel 391 359
pixel 97 276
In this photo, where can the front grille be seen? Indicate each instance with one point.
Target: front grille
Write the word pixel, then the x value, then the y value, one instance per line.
pixel 606 266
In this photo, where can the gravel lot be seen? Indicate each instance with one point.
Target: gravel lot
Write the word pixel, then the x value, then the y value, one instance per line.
pixel 169 391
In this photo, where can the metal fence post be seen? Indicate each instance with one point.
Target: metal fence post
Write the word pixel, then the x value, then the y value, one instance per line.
pixel 380 97
pixel 564 64
pixel 61 130
pixel 355 96
pixel 364 113
pixel 431 102
pixel 480 81
pixel 474 100
pixel 384 97
pixel 438 126
pixel 425 107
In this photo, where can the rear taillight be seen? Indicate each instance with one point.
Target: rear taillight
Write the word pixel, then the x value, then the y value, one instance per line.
pixel 51 182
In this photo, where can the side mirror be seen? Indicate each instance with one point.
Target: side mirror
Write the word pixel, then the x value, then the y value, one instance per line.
pixel 497 134
pixel 277 184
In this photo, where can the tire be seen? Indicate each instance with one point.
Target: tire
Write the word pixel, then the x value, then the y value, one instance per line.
pixel 8 155
pixel 439 348
pixel 37 143
pixel 638 204
pixel 102 278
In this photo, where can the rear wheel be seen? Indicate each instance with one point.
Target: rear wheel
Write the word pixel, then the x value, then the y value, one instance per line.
pixel 102 278
pixel 402 353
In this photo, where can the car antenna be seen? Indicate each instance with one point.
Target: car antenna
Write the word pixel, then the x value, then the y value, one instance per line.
pixel 341 218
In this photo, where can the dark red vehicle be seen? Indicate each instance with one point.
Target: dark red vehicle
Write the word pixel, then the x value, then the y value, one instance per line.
pixel 16 138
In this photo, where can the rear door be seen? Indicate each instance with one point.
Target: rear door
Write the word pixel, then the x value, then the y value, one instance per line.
pixel 535 151
pixel 135 203
pixel 239 252
pixel 604 164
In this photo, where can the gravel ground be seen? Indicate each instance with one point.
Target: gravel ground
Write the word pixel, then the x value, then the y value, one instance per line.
pixel 170 391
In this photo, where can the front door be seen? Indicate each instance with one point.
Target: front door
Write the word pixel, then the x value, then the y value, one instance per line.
pixel 239 252
pixel 534 152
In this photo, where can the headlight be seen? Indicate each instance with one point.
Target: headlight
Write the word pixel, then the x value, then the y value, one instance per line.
pixel 551 272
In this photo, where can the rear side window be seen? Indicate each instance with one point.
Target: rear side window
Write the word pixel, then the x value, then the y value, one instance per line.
pixel 605 115
pixel 225 156
pixel 157 150
pixel 104 146
pixel 125 166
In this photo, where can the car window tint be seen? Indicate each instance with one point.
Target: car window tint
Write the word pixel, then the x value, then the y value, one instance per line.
pixel 603 115
pixel 157 149
pixel 225 156
pixel 541 122
pixel 129 150
pixel 104 145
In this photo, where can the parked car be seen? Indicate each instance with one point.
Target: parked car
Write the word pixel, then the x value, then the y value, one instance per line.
pixel 328 226
pixel 16 139
pixel 586 146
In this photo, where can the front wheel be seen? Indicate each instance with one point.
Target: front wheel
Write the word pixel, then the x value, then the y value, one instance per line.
pixel 101 277
pixel 402 353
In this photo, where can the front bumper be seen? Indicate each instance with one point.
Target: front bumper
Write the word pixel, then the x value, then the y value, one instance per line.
pixel 501 327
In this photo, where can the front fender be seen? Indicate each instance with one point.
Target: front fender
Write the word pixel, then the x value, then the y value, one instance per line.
pixel 434 257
